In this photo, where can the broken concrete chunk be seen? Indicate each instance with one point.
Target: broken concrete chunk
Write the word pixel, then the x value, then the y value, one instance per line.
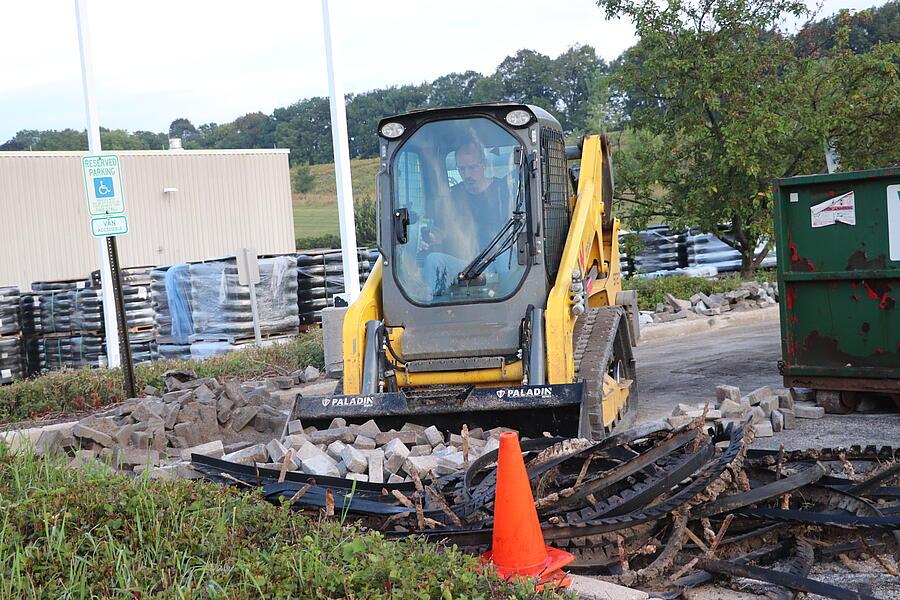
pixel 376 466
pixel 757 415
pixel 434 436
pixel 413 427
pixel 422 465
pixel 785 400
pixel 394 479
pixel 395 446
pixel 790 419
pixel 248 456
pixel 48 442
pixel 269 420
pixel 728 392
pixel 364 443
pixel 768 405
pixel 327 436
pixel 357 476
pixel 676 422
pixel 731 409
pixel 295 426
pixel 83 431
pixel 760 394
pixel 335 448
pixel 129 457
pixel 406 437
pixel 276 450
pixel 803 411
pixel 241 417
pixel 310 373
pixel 337 422
pixel 421 450
pixel 353 458
pixel 320 464
pixel 214 449
pixel 369 429
pixel 763 429
pixel 204 395
pixel 591 588
pixel 777 419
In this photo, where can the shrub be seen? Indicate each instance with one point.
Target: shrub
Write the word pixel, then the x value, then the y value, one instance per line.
pixel 79 533
pixel 81 389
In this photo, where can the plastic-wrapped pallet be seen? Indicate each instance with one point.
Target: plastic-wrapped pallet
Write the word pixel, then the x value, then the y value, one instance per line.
pixel 170 297
pixel 30 312
pixel 129 275
pixel 220 306
pixel 56 353
pixel 320 275
pixel 88 351
pixel 174 351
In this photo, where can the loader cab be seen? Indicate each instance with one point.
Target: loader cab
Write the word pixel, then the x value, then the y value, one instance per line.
pixel 473 214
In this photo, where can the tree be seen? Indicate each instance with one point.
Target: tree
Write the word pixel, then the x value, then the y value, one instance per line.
pixel 723 103
pixel 529 77
pixel 182 128
pixel 454 89
pixel 576 71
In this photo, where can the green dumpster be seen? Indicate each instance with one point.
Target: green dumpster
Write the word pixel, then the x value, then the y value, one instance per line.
pixel 838 241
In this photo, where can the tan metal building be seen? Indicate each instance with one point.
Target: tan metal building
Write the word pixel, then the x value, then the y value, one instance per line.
pixel 182 205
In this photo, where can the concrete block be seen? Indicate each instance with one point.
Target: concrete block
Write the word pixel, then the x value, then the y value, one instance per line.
pixel 777 419
pixel 248 456
pixel 129 457
pixel 214 449
pixel 89 433
pixel 241 417
pixel 48 442
pixel 321 464
pixel 376 466
pixel 768 405
pixel 413 427
pixel 731 409
pixel 276 450
pixel 394 463
pixel 453 462
pixel 295 440
pixel 758 415
pixel 337 422
pixel 759 394
pixel 763 429
pixel 406 437
pixel 589 588
pixel 369 429
pixel 188 433
pixel 310 373
pixel 728 392
pixel 326 436
pixel 785 400
pixel 803 411
pixel 421 450
pixel 269 420
pixel 676 422
pixel 364 443
pixel 394 479
pixel 295 426
pixel 335 448
pixel 357 476
pixel 355 461
pixel 434 436
pixel 140 439
pixel 423 465
pixel 790 419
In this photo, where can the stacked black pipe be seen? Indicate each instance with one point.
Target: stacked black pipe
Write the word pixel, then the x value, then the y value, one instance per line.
pixel 705 249
pixel 320 275
pixel 661 250
pixel 30 313
pixel 11 366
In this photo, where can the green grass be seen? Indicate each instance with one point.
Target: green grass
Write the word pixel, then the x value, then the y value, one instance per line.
pixel 83 533
pixel 82 389
pixel 316 213
pixel 653 291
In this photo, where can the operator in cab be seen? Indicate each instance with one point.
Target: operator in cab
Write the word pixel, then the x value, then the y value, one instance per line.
pixel 479 208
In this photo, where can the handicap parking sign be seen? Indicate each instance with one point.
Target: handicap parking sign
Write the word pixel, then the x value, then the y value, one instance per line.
pixel 103 187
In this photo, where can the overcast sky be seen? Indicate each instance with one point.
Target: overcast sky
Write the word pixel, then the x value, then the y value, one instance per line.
pixel 215 60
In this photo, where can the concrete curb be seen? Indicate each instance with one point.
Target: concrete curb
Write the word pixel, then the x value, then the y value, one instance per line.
pixel 665 331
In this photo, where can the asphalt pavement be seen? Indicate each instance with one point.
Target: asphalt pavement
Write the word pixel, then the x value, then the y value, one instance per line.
pixel 687 368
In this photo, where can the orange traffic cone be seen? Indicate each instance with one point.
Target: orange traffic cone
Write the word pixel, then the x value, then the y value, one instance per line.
pixel 517 547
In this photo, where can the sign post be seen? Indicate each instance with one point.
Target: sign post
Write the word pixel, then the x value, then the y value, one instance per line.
pixel 108 223
pixel 248 274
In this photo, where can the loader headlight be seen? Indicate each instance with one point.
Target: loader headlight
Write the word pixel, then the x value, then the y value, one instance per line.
pixel 518 117
pixel 392 130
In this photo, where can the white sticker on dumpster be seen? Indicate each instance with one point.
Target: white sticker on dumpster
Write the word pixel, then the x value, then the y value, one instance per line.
pixel 840 209
pixel 893 219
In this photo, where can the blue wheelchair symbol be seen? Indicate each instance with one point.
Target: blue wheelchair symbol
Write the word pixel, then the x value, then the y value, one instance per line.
pixel 103 187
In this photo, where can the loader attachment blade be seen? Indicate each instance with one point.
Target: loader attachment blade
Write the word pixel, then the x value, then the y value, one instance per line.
pixel 531 409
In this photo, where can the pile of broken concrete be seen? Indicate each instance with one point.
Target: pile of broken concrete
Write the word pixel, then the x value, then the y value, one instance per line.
pixel 247 423
pixel 749 296
pixel 770 411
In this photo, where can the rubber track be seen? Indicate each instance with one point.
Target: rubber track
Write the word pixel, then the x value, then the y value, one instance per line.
pixel 594 339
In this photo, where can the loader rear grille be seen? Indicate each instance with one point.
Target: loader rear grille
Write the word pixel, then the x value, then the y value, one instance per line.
pixel 555 194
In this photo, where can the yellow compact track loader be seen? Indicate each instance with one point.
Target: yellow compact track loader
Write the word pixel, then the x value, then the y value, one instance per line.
pixel 498 299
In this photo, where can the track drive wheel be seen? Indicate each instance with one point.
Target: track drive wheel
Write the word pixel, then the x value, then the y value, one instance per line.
pixel 603 347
